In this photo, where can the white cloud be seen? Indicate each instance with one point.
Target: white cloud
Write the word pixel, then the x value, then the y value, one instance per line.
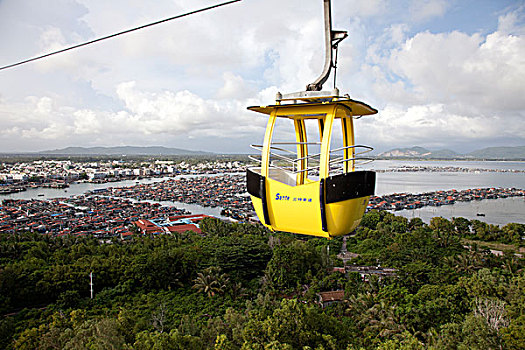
pixel 512 22
pixel 177 113
pixel 422 10
pixel 87 122
pixel 235 88
pixel 435 125
pixel 52 39
pixel 146 114
pixel 457 68
pixel 193 78
pixel 449 88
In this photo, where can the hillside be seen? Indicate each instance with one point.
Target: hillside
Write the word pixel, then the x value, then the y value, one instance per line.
pixel 123 150
pixel 418 152
pixel 406 285
pixel 499 152
pixel 493 153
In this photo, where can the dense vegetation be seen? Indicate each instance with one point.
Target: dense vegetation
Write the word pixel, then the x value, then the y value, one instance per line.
pixel 241 287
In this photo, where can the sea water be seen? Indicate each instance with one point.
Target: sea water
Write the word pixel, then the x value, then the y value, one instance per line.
pixel 497 211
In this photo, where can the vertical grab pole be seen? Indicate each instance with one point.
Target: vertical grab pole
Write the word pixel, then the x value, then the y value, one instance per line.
pixel 321 128
pixel 348 140
pixel 266 150
pixel 324 163
pixel 324 166
pixel 302 150
pixel 265 165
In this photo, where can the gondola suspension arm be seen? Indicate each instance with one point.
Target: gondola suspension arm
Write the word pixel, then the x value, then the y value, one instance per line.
pixel 332 40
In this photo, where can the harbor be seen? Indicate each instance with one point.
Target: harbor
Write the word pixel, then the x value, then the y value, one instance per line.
pixel 400 201
pixel 108 209
pixel 112 211
pixel 227 192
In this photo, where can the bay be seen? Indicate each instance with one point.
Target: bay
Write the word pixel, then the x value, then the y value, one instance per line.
pixel 470 164
pixel 75 189
pixel 497 211
pixel 80 188
pixel 420 182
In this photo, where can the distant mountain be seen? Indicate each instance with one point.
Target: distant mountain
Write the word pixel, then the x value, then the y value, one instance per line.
pixel 418 152
pixel 124 150
pixel 406 152
pixel 444 154
pixel 499 152
pixel 506 153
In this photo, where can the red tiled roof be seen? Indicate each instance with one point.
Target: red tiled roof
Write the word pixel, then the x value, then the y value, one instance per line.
pixel 183 228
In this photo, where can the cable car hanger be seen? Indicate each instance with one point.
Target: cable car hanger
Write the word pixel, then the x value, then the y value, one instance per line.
pixel 311 187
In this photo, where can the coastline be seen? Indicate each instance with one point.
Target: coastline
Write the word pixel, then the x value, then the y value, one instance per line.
pixel 207 192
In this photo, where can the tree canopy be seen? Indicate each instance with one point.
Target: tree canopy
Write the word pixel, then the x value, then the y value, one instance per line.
pixel 239 286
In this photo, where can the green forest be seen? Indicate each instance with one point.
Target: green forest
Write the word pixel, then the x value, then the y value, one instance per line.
pixel 240 286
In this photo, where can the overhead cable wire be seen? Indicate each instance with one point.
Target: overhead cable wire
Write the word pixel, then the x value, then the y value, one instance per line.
pixel 119 33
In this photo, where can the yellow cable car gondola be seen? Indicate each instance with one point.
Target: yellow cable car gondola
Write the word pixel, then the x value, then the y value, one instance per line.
pixel 311 185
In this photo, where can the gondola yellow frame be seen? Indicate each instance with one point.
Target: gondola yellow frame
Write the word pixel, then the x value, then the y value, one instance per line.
pixel 331 206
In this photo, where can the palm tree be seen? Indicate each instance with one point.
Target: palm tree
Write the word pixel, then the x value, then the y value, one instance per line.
pixel 211 281
pixel 222 280
pixel 236 290
pixel 358 305
pixel 466 262
pixel 462 263
pixel 377 318
pixel 205 283
pixel 510 263
pixel 381 318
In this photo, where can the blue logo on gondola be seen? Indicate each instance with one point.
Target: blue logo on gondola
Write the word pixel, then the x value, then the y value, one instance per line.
pixel 280 197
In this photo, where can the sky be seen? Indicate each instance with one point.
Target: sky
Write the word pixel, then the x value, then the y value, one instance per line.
pixel 442 74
